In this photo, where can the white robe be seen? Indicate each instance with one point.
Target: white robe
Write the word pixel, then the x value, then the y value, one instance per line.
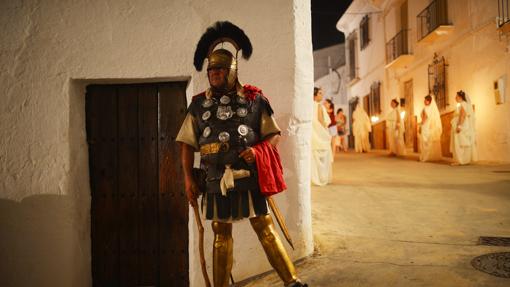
pixel 395 137
pixel 463 144
pixel 430 136
pixel 361 126
pixel 322 157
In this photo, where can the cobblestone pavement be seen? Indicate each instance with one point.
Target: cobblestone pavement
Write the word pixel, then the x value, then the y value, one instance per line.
pixel 398 222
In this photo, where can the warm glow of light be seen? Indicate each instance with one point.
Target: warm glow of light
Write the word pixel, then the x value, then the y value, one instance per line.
pixel 374 119
pixel 458 105
pixel 402 114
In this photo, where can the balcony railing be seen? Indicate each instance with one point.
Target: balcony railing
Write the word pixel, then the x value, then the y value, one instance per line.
pixel 432 17
pixel 397 46
pixel 503 13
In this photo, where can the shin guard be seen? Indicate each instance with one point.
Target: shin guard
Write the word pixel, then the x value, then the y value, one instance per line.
pixel 273 246
pixel 222 253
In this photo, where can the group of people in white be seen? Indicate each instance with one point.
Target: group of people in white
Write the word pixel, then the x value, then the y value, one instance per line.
pixel 329 131
pixel 463 131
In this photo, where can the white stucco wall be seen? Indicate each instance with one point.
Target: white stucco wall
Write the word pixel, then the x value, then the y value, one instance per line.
pixel 50 50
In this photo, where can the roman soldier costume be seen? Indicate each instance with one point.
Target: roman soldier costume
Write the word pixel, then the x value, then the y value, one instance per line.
pixel 222 123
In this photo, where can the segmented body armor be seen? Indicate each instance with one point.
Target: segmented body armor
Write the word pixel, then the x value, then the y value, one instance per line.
pixel 233 123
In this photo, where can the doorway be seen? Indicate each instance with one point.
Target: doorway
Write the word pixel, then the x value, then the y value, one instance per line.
pixel 353 102
pixel 139 212
pixel 410 120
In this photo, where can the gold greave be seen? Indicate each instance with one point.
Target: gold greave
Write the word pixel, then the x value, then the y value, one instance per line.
pixel 222 253
pixel 273 246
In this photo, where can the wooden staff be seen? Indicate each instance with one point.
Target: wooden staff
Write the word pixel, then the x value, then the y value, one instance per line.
pixel 201 243
pixel 280 220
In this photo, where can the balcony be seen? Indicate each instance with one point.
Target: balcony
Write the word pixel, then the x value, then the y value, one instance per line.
pixel 433 22
pixel 503 19
pixel 397 51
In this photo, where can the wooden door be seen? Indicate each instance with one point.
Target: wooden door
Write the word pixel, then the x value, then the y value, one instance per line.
pixel 410 119
pixel 379 135
pixel 367 106
pixel 139 212
pixel 353 102
pixel 446 119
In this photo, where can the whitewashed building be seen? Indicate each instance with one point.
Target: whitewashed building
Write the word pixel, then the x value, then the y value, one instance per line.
pixel 420 47
pixel 362 25
pixel 54 54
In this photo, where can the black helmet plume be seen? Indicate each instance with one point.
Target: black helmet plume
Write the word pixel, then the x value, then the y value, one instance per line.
pixel 221 31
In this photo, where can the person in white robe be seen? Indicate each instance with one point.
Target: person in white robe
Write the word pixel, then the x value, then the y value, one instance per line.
pixel 395 130
pixel 322 157
pixel 430 131
pixel 361 127
pixel 463 133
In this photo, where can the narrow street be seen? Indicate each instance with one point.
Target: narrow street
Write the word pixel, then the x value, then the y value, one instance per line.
pixel 398 222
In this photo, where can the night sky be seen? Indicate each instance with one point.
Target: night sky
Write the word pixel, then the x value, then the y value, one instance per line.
pixel 325 15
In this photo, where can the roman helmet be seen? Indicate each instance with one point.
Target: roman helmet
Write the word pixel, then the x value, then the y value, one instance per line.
pixel 215 35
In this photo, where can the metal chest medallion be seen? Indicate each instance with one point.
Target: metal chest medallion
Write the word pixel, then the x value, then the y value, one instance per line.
pixel 206 132
pixel 243 130
pixel 224 137
pixel 225 100
pixel 206 115
pixel 242 112
pixel 224 112
pixel 241 100
pixel 207 103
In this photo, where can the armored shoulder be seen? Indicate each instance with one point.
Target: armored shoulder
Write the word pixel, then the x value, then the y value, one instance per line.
pixel 196 101
pixel 256 95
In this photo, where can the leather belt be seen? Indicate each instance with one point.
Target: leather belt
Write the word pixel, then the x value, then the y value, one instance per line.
pixel 213 148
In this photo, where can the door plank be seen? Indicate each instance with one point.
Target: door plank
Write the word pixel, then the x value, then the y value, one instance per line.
pixel 148 189
pixel 173 203
pixel 128 184
pixel 102 111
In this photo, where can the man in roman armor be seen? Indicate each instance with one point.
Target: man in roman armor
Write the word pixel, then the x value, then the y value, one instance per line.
pixel 233 127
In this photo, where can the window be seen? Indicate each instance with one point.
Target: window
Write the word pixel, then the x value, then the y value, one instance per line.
pixel 364 32
pixel 437 82
pixel 351 61
pixel 375 99
pixel 372 101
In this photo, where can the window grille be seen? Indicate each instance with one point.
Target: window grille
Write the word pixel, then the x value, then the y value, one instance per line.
pixel 437 82
pixel 397 46
pixel 433 16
